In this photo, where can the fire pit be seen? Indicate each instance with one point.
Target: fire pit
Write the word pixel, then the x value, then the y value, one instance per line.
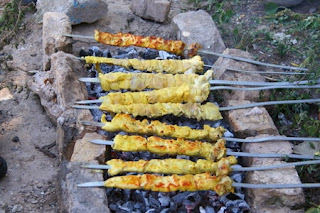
pixel 123 200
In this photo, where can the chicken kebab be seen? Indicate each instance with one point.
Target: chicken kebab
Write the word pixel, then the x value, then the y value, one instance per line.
pixel 124 122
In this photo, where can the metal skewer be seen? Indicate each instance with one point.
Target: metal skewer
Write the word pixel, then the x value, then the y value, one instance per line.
pixel 235 184
pixel 217 54
pixel 235 168
pixel 263 87
pixel 242 154
pixel 267 103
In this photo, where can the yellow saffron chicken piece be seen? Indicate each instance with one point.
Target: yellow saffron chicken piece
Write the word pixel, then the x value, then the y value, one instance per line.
pixel 173 66
pixel 199 182
pixel 172 166
pixel 184 93
pixel 124 122
pixel 141 81
pixel 127 39
pixel 160 146
pixel 208 111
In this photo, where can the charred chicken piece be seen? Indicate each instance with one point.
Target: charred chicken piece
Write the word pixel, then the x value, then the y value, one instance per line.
pixel 124 122
pixel 127 39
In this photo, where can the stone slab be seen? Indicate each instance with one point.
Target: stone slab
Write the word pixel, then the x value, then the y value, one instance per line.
pixel 155 10
pixel 251 121
pixel 78 11
pixel 85 151
pixel 5 94
pixel 225 74
pixel 279 147
pixel 80 200
pixel 55 24
pixel 198 27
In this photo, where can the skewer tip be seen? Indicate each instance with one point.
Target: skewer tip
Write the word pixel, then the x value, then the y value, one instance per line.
pixel 91 184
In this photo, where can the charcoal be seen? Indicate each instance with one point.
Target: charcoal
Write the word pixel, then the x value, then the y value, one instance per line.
pixel 164 199
pixel 222 209
pixel 209 209
pixel 83 53
pixel 106 53
pixel 179 197
pixel 165 211
pixel 96 51
pixel 149 54
pixel 129 53
pixel 145 201
pixel 165 55
pixel 154 203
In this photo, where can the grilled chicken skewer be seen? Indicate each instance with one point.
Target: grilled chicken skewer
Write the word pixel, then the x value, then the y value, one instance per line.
pixel 208 111
pixel 198 182
pixel 170 166
pixel 160 146
pixel 184 93
pixel 180 166
pixel 172 66
pixel 212 152
pixel 141 81
pixel 124 122
pixel 177 47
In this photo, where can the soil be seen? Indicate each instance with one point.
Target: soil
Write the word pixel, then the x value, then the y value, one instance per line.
pixel 25 129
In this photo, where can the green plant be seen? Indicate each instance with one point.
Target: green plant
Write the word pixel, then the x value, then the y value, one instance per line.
pixel 10 20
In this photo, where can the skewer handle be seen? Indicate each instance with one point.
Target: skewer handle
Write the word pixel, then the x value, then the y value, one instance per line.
pixel 91 184
pixel 96 166
pixel 272 138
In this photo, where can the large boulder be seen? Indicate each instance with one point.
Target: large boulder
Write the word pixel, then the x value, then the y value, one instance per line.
pixel 58 89
pixel 285 3
pixel 198 27
pixel 79 11
pixel 155 10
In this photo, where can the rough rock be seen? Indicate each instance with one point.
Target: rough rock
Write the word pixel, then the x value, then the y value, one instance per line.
pixel 225 74
pixel 79 11
pixel 285 3
pixel 155 10
pixel 5 94
pixel 80 200
pixel 198 27
pixel 251 121
pixel 85 151
pixel 280 147
pixel 274 198
pixel 58 89
pixel 55 24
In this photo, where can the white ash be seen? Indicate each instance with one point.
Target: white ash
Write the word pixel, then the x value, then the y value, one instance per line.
pixel 122 201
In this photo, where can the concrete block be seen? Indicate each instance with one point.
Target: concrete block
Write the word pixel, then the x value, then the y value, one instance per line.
pixel 251 121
